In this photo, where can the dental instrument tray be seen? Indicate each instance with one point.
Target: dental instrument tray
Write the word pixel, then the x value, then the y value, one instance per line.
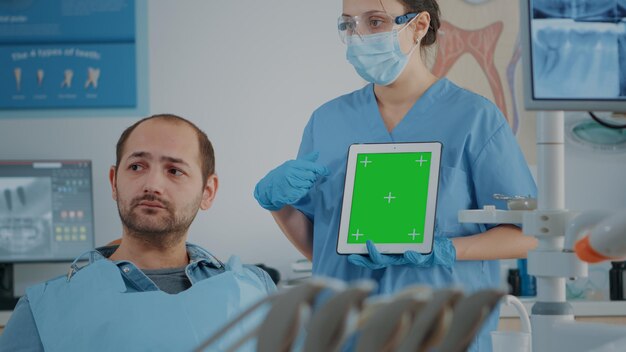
pixel 390 197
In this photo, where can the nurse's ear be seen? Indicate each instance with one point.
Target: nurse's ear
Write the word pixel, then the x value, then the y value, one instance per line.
pixel 420 25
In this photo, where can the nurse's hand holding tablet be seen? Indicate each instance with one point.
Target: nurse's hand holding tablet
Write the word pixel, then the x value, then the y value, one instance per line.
pixel 443 254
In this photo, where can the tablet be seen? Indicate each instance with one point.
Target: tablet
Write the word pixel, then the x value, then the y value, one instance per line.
pixel 390 197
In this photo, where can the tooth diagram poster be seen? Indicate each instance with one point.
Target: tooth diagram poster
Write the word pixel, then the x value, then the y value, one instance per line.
pixel 68 54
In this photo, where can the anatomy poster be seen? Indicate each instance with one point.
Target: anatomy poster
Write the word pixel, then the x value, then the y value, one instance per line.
pixel 66 54
pixel 479 49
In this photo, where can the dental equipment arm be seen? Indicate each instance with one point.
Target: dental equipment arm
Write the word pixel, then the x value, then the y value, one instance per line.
pixel 281 323
pixel 469 314
pixel 432 323
pixel 387 326
pixel 294 311
pixel 336 319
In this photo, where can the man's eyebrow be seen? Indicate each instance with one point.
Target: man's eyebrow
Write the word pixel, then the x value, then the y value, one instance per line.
pixel 147 155
pixel 138 155
pixel 174 160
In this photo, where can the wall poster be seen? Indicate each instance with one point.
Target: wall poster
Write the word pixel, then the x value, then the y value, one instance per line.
pixel 68 54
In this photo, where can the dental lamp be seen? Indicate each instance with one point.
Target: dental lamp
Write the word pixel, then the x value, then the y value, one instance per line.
pixel 606 240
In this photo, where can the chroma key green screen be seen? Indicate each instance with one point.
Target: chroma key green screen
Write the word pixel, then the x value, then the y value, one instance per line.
pixel 389 198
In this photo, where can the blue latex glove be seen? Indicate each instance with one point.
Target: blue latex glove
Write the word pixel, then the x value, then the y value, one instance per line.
pixel 290 182
pixel 443 254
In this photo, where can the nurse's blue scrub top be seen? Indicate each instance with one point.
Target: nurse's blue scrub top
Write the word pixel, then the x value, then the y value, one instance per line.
pixel 480 157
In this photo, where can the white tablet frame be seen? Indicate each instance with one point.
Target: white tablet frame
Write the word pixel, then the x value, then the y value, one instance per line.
pixel 343 247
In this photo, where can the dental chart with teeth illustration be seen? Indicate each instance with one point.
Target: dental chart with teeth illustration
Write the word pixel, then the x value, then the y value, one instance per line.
pixel 63 55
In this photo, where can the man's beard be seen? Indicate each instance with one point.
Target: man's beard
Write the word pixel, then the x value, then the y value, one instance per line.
pixel 161 231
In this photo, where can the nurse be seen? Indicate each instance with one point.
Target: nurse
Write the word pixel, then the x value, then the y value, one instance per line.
pixel 404 102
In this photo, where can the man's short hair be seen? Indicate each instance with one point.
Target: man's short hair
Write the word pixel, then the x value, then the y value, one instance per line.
pixel 207 155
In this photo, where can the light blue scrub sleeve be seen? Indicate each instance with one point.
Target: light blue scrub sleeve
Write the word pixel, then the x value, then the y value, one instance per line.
pixel 500 167
pixel 21 332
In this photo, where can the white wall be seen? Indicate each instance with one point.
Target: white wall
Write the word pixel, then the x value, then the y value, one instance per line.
pixel 247 72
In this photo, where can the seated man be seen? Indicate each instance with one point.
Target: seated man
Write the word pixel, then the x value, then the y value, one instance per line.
pixel 153 291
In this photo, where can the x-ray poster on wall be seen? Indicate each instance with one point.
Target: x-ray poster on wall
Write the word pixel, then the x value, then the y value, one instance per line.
pixel 67 54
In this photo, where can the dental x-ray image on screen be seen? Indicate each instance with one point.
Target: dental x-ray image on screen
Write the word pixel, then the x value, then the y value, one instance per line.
pixel 578 49
pixel 25 214
pixel 45 210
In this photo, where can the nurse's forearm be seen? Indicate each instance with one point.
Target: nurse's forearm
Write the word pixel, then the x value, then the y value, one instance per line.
pixel 501 242
pixel 298 229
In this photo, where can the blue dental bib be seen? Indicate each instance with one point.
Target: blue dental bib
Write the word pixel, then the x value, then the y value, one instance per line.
pixel 92 311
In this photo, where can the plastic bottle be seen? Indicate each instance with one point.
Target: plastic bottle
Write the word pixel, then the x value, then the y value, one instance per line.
pixel 617 280
pixel 514 282
pixel 528 283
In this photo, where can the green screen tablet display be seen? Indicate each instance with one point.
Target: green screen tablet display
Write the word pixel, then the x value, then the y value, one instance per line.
pixel 389 198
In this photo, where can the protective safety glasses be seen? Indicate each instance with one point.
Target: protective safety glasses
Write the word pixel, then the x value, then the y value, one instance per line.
pixel 372 22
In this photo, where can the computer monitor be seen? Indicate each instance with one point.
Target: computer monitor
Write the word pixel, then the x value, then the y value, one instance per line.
pixel 46 210
pixel 46 215
pixel 574 54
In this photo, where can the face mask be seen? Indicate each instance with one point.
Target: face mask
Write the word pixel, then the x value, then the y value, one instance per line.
pixel 378 58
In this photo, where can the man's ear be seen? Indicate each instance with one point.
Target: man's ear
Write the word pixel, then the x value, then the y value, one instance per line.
pixel 208 194
pixel 112 181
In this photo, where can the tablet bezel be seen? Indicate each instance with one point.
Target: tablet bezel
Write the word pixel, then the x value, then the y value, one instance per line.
pixel 343 247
